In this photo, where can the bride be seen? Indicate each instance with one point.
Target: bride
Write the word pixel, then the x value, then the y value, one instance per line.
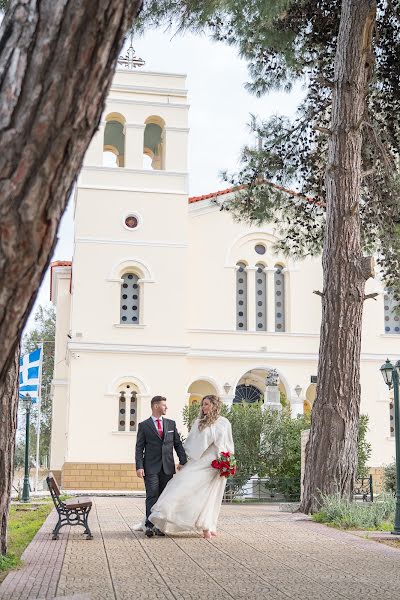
pixel 192 500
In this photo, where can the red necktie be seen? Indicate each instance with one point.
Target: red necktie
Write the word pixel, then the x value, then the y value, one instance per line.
pixel 160 431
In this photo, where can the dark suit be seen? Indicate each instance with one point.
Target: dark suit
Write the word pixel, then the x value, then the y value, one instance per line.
pixel 155 455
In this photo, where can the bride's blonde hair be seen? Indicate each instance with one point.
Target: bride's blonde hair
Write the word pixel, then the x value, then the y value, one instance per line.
pixel 213 414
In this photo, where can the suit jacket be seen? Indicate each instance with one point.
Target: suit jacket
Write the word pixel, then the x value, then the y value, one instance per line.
pixel 154 453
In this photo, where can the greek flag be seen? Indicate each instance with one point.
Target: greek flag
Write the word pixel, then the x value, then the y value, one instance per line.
pixel 30 367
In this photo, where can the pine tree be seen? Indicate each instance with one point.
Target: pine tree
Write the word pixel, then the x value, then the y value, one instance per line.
pixel 341 154
pixel 57 59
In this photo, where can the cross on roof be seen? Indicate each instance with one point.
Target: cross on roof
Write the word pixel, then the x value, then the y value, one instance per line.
pixel 130 61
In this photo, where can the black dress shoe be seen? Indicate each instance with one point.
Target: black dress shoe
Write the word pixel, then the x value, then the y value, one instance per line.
pixel 149 531
pixel 158 532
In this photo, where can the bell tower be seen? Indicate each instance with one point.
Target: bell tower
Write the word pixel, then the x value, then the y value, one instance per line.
pixel 131 212
pixel 127 309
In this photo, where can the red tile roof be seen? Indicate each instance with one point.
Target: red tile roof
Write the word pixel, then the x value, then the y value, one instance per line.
pixel 194 199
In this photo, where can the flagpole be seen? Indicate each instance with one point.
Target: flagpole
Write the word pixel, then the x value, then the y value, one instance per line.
pixel 38 419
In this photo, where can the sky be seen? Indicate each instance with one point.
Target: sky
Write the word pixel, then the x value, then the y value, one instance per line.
pixel 218 117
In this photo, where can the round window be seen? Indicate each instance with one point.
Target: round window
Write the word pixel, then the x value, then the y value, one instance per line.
pixel 260 248
pixel 131 222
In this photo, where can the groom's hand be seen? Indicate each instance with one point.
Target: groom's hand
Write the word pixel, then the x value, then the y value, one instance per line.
pixel 140 473
pixel 178 467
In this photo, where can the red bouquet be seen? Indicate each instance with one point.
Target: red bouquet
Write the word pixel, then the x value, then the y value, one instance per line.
pixel 226 464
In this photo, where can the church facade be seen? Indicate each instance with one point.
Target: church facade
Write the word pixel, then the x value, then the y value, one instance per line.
pixel 167 294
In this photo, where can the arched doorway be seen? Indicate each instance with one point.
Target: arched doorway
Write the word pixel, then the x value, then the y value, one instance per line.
pixel 200 388
pixel 251 388
pixel 310 398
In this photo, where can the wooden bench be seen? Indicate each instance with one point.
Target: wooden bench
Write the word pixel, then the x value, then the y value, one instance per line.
pixel 74 511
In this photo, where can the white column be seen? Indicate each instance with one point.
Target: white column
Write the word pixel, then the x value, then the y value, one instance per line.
pixel 296 405
pixel 94 153
pixel 270 299
pixel 251 298
pixel 227 399
pixel 287 304
pixel 272 398
pixel 175 142
pixel 134 136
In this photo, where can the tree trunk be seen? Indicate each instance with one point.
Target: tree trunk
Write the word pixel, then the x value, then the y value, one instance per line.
pixel 57 60
pixel 331 454
pixel 8 426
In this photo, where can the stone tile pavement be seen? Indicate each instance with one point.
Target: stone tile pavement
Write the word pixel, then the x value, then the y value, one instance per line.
pixel 259 553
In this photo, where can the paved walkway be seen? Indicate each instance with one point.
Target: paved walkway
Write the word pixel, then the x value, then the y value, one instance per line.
pixel 260 553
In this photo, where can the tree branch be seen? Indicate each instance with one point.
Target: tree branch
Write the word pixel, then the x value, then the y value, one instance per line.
pixel 368 267
pixel 323 130
pixel 368 172
pixel 319 293
pixel 373 296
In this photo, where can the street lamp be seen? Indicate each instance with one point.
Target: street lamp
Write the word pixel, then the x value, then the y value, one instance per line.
pixel 227 388
pixel 26 403
pixel 391 376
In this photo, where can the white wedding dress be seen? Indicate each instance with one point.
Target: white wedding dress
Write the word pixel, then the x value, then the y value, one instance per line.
pixel 192 499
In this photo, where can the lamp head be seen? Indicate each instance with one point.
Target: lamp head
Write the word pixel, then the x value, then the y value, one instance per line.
pixel 387 373
pixel 26 402
pixel 298 389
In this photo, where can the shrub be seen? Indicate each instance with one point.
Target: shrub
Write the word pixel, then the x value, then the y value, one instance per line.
pixel 268 444
pixel 359 515
pixel 364 447
pixel 389 478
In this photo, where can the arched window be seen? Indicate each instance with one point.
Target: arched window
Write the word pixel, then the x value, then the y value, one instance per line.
pixel 279 298
pixel 114 141
pixel 130 299
pixel 261 298
pixel 241 297
pixel 247 393
pixel 127 408
pixel 154 144
pixel 391 313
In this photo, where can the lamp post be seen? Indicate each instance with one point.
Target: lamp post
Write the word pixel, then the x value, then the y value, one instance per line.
pixel 391 376
pixel 26 403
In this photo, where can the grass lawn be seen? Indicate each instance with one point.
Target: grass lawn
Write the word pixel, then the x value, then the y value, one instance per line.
pixel 22 527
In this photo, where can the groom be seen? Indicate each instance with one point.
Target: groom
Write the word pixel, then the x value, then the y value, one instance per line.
pixel 156 439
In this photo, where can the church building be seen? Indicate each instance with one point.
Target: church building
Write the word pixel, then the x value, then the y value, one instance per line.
pixel 167 294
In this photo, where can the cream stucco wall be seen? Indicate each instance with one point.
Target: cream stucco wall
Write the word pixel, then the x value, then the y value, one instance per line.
pixel 186 256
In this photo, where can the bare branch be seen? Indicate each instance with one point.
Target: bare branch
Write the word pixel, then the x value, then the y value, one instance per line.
pixel 323 130
pixel 368 266
pixel 325 82
pixel 368 172
pixel 373 296
pixel 319 293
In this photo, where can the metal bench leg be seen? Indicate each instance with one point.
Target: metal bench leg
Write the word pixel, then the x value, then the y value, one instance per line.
pixel 86 524
pixel 57 528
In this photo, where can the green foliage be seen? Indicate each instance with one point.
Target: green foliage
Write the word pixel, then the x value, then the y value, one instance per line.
pixel 389 478
pixel 364 447
pixel 247 422
pixel 287 41
pixel 357 515
pixel 268 444
pixel 45 320
pixel 281 451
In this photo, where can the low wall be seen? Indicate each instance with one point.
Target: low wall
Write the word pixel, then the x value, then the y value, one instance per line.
pixel 100 476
